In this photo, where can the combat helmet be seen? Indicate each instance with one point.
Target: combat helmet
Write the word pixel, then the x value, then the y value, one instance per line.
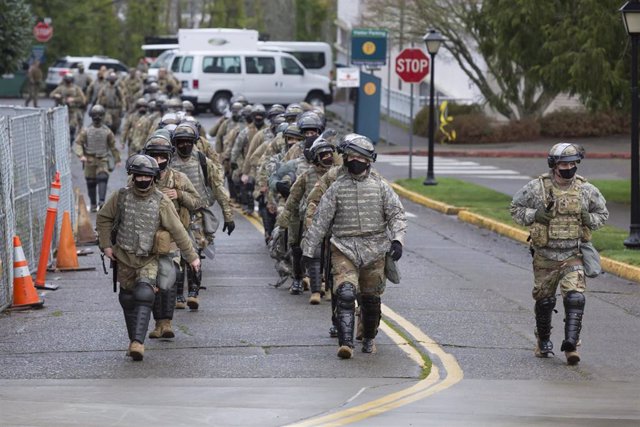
pixel 173 105
pixel 310 121
pixel 169 119
pixel 319 147
pixel 185 131
pixel 292 111
pixel 68 78
pixel 159 142
pixel 188 107
pixel 274 111
pixel 141 164
pixel 97 111
pixel 361 146
pixel 292 131
pixel 564 152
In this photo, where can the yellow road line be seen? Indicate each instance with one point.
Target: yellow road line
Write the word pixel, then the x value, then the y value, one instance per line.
pixel 433 383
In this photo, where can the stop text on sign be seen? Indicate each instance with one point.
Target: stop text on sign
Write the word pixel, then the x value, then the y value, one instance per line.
pixel 412 65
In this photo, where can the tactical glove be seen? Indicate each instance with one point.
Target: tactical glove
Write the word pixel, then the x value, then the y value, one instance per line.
pixel 543 216
pixel 396 250
pixel 283 188
pixel 586 218
pixel 229 227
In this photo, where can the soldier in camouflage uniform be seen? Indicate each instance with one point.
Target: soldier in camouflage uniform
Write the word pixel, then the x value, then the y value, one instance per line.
pixel 311 127
pixel 131 133
pixel 111 97
pixel 168 84
pixel 93 146
pixel 82 79
pixel 367 220
pixel 143 221
pixel 295 207
pixel 208 180
pixel 134 87
pixel 562 209
pixel 96 86
pixel 177 187
pixel 69 94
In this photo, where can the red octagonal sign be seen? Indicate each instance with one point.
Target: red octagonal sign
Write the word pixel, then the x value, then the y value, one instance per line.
pixel 412 65
pixel 43 32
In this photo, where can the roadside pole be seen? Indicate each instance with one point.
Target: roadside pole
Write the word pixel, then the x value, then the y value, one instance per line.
pixel 411 135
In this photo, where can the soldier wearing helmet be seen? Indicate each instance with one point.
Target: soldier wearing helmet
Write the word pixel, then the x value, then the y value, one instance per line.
pixel 207 178
pixel 69 94
pixel 188 107
pixel 239 120
pixel 179 189
pixel 168 84
pixel 292 112
pixel 173 105
pixel 227 123
pixel 361 239
pixel 132 122
pixel 311 127
pixel 562 209
pixel 112 98
pixel 143 222
pixel 98 83
pixel 133 86
pixel 264 135
pixel 82 80
pixel 94 145
pixel 322 160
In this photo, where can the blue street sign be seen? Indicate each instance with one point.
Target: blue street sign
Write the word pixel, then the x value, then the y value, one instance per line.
pixel 368 47
pixel 366 118
pixel 37 52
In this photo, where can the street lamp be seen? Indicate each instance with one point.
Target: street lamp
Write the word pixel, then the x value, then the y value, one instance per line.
pixel 631 17
pixel 433 39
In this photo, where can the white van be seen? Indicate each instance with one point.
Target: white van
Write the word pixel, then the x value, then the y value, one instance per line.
pixel 316 57
pixel 211 78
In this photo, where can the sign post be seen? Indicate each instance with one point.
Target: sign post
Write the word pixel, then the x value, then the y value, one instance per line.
pixel 412 66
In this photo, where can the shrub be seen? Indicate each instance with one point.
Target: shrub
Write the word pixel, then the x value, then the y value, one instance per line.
pixel 568 123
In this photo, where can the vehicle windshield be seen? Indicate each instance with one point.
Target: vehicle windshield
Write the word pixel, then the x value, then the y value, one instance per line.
pixel 163 60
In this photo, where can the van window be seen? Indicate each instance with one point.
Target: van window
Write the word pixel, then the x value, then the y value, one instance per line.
pixel 289 66
pixel 260 64
pixel 221 64
pixel 175 67
pixel 310 60
pixel 187 64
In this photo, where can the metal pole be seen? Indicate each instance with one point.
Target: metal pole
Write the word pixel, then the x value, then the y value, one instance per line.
pixel 388 88
pixel 411 135
pixel 430 179
pixel 633 241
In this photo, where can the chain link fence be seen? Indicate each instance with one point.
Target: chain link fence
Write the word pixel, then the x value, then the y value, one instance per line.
pixel 34 144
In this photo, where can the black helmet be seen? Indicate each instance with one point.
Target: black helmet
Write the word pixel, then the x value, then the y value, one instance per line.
pixel 360 146
pixel 320 146
pixel 258 110
pixel 141 164
pixel 185 131
pixel 159 142
pixel 274 111
pixel 344 141
pixel 292 111
pixel 97 111
pixel 564 152
pixel 310 120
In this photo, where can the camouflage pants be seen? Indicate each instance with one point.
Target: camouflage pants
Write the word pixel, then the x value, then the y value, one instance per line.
pixel 293 232
pixel 95 165
pixel 112 119
pixel 549 274
pixel 127 276
pixel 369 279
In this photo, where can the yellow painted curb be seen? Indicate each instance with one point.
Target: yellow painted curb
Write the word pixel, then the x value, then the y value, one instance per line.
pixel 626 271
pixel 425 201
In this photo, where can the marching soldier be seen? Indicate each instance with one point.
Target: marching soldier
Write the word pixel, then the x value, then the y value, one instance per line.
pixel 111 97
pixel 367 221
pixel 562 209
pixel 67 93
pixel 93 146
pixel 133 86
pixel 131 133
pixel 34 81
pixel 142 221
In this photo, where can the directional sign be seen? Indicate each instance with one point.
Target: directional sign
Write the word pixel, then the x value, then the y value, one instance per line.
pixel 347 77
pixel 43 32
pixel 368 46
pixel 412 65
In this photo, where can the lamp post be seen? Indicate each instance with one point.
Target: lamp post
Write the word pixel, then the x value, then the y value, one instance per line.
pixel 631 17
pixel 433 39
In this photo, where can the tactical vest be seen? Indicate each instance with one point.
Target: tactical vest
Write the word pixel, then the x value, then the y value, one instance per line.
pixel 111 96
pixel 97 141
pixel 82 80
pixel 139 222
pixel 311 177
pixel 566 224
pixel 193 170
pixel 359 211
pixel 174 181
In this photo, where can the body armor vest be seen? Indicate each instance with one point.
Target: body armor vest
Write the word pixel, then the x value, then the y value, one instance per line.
pixel 97 141
pixel 192 169
pixel 311 178
pixel 139 223
pixel 110 94
pixel 359 211
pixel 81 80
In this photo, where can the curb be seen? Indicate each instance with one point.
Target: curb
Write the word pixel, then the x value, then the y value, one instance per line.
pixel 626 271
pixel 500 153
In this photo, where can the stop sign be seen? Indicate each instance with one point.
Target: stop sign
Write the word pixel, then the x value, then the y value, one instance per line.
pixel 43 32
pixel 412 65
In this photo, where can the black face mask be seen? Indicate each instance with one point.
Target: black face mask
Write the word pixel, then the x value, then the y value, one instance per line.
pixel 308 140
pixel 143 185
pixel 142 111
pixel 185 150
pixel 327 161
pixel 258 121
pixel 355 167
pixel 568 173
pixel 163 165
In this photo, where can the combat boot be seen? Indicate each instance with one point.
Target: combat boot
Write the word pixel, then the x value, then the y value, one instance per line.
pixel 345 317
pixel 296 287
pixel 305 283
pixel 315 298
pixel 166 329
pixel 345 352
pixel 370 314
pixel 573 358
pixel 192 300
pixel 181 303
pixel 136 351
pixel 574 303
pixel 368 345
pixel 157 331
pixel 314 270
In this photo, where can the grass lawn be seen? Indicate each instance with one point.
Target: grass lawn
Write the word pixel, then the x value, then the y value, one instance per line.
pixel 495 205
pixel 614 190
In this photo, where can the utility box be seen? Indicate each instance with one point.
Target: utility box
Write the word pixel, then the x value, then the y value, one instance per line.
pixel 217 39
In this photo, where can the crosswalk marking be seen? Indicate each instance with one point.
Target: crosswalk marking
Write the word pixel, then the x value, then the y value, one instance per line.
pixel 452 167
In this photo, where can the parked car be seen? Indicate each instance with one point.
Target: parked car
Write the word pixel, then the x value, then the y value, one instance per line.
pixel 69 64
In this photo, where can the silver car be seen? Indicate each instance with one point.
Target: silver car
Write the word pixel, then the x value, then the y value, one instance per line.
pixel 69 64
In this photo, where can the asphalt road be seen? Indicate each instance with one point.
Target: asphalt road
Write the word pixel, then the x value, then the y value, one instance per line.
pixel 255 355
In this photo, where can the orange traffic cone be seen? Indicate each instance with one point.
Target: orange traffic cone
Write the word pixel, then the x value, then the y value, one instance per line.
pixel 24 292
pixel 86 234
pixel 67 256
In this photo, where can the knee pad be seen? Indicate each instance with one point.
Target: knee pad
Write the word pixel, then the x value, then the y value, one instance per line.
pixel 127 300
pixel 91 182
pixel 346 295
pixel 545 305
pixel 574 302
pixel 102 177
pixel 143 293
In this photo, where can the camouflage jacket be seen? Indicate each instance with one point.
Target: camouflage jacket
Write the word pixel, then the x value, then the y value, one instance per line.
pixel 532 196
pixel 345 198
pixel 81 143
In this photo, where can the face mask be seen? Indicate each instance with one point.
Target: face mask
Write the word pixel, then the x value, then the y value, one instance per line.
pixel 355 167
pixel 143 185
pixel 327 161
pixel 163 164
pixel 568 173
pixel 259 121
pixel 308 140
pixel 185 150
pixel 142 111
pixel 97 120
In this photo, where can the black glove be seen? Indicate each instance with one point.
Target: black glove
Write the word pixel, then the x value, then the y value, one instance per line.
pixel 396 250
pixel 234 166
pixel 229 227
pixel 283 188
pixel 543 216
pixel 586 218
